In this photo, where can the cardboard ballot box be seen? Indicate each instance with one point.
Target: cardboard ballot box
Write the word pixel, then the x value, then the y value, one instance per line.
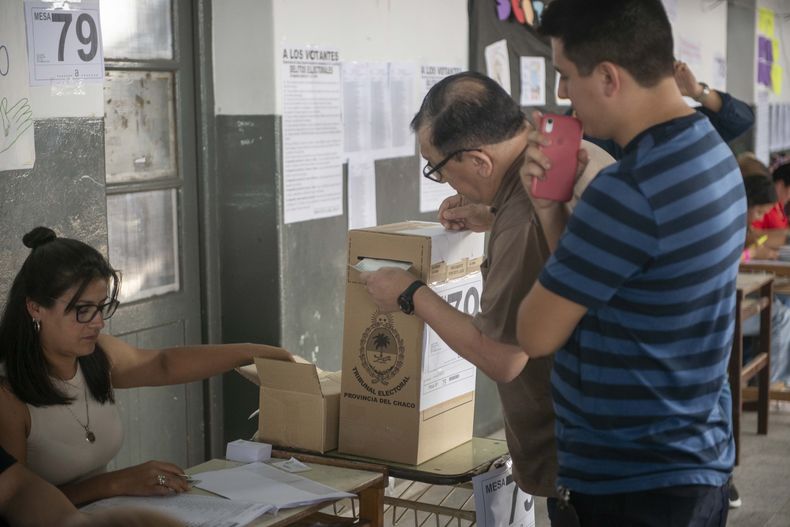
pixel 298 404
pixel 406 396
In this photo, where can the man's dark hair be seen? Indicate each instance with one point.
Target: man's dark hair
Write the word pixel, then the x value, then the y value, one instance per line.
pixel 782 173
pixel 759 190
pixel 633 34
pixel 467 110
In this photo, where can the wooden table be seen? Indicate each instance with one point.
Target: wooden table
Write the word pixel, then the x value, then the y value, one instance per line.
pixel 367 481
pixel 781 271
pixel 454 468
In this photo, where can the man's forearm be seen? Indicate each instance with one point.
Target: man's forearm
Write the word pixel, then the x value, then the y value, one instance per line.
pixel 501 362
pixel 553 222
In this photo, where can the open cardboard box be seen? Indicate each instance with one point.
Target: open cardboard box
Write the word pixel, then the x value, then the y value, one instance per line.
pixel 298 404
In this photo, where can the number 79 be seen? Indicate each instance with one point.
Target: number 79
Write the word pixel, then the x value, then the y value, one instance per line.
pixel 91 38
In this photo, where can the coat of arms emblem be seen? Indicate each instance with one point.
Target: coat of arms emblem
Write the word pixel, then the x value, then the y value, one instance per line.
pixel 381 349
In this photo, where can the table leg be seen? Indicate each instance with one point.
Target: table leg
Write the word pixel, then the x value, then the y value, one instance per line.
pixel 371 506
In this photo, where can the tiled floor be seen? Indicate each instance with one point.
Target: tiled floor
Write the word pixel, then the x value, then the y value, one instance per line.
pixel 763 479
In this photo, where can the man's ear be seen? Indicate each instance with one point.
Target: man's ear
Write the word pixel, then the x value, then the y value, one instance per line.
pixel 610 78
pixel 482 164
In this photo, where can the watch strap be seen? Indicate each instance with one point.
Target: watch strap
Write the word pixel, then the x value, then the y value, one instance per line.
pixel 705 92
pixel 406 298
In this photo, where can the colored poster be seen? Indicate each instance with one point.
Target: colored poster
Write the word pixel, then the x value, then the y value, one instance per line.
pixel 17 147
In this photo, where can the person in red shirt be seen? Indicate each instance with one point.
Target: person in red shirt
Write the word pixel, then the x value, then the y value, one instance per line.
pixel 776 218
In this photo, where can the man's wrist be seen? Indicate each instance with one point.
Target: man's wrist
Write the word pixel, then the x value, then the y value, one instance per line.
pixel 703 90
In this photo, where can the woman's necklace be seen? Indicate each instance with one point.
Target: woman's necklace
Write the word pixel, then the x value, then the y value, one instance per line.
pixel 90 437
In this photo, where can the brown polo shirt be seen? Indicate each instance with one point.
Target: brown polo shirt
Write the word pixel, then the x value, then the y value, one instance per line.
pixel 516 253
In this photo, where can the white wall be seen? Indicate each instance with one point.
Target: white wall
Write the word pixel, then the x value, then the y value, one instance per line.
pixel 249 35
pixel 700 23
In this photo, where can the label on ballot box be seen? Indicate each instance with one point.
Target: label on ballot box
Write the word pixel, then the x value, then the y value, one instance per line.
pixel 499 502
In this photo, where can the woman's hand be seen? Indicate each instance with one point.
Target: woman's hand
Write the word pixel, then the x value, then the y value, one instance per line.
pixel 763 252
pixel 154 478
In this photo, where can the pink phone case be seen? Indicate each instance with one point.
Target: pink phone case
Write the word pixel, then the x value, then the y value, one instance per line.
pixel 565 133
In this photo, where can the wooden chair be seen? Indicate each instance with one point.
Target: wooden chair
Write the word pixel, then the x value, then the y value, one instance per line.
pixel 754 296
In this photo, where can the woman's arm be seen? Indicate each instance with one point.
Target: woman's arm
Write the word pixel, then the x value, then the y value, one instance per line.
pixel 139 480
pixel 133 367
pixel 14 424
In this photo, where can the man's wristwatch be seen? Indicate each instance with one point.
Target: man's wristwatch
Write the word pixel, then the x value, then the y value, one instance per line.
pixel 406 298
pixel 705 92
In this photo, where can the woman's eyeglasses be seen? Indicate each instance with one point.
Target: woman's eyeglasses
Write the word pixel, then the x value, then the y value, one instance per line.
pixel 87 312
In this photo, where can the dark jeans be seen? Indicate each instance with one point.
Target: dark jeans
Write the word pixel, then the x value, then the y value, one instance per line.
pixel 687 506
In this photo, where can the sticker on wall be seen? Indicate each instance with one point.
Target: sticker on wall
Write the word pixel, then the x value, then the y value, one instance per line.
pixel 17 147
pixel 533 81
pixel 498 63
pixel 64 42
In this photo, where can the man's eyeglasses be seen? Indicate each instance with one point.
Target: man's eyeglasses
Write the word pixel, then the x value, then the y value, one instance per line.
pixel 87 312
pixel 432 171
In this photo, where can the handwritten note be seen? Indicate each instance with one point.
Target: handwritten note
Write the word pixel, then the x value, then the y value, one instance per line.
pixel 17 147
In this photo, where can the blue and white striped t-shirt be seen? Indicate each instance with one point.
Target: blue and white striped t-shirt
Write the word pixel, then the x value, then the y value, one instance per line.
pixel 640 389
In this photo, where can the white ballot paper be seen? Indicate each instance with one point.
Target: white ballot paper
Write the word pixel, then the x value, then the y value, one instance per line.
pixel 261 483
pixel 192 509
pixel 369 265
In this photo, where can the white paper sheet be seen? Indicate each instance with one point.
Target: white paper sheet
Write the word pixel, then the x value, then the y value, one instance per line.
pixel 17 147
pixel 378 105
pixel 356 107
pixel 533 81
pixel 404 104
pixel 312 134
pixel 445 374
pixel 261 483
pixel 361 193
pixel 432 193
pixel 369 265
pixel 498 63
pixel 192 509
pixel 762 130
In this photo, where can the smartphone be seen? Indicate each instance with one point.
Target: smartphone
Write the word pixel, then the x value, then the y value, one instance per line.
pixel 565 133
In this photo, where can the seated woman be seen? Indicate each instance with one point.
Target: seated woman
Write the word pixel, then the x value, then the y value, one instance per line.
pixel 760 197
pixel 57 405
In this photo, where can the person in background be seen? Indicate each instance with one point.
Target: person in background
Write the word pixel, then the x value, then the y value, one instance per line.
pixel 57 390
pixel 638 297
pixel 760 197
pixel 776 217
pixel 28 501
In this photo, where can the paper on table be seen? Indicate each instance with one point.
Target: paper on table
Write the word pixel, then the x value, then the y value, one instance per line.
pixel 261 483
pixel 369 265
pixel 192 509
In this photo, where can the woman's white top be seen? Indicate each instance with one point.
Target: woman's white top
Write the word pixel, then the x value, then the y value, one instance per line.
pixel 57 448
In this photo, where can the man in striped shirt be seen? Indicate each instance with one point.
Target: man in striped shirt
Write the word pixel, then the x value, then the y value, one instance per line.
pixel 637 298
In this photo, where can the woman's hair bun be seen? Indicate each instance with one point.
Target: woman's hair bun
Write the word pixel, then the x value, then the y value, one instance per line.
pixel 38 237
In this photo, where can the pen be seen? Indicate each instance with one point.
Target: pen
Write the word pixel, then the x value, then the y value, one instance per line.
pixel 762 239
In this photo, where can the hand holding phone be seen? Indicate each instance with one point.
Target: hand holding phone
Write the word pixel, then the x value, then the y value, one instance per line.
pixel 565 135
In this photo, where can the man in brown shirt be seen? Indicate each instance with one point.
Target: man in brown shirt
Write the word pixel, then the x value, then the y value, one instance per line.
pixel 474 136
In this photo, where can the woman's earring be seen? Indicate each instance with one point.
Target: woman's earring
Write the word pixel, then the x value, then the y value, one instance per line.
pixel 36 325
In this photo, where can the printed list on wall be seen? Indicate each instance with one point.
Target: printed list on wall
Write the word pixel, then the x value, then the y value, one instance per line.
pixel 312 134
pixel 17 148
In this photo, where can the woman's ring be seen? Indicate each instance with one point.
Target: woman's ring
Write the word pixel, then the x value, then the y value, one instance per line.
pixel 161 480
